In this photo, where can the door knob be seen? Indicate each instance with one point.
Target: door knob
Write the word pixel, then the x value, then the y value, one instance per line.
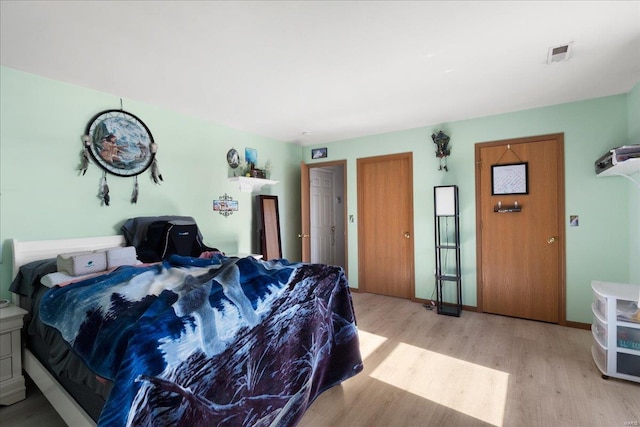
pixel 303 236
pixel 407 235
pixel 551 240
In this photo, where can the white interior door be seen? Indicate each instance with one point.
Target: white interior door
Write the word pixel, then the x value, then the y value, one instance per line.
pixel 323 221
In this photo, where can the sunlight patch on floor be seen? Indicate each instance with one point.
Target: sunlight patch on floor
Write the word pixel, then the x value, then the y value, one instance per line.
pixel 475 390
pixel 369 343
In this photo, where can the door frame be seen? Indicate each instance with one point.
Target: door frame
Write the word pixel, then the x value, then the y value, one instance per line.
pixel 560 206
pixel 306 203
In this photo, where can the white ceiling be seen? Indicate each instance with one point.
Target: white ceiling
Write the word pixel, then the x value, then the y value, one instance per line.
pixel 339 69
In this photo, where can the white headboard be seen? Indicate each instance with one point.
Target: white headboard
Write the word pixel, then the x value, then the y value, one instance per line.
pixel 27 251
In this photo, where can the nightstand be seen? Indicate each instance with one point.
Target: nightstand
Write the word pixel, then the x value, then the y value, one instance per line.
pixel 12 388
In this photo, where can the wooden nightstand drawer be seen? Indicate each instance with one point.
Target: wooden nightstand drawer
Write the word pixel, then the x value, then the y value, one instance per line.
pixel 12 388
pixel 5 345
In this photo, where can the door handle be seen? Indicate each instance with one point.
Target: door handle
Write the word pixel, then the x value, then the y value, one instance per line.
pixel 551 240
pixel 303 236
pixel 407 235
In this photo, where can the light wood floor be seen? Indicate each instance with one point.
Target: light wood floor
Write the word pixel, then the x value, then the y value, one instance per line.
pixel 424 369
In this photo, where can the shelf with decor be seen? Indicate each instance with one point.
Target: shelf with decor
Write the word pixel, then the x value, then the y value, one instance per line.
pixel 622 161
pixel 628 167
pixel 248 184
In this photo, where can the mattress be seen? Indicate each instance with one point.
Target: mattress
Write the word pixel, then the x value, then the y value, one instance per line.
pixel 46 344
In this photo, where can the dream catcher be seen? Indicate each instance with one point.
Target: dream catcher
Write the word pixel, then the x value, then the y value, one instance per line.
pixel 442 143
pixel 122 145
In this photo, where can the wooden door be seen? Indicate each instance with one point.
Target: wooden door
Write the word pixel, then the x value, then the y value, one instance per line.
pixel 323 221
pixel 520 254
pixel 385 225
pixel 305 233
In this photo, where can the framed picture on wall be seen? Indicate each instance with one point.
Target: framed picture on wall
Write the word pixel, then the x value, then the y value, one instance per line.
pixel 509 179
pixel 251 156
pixel 225 205
pixel 318 153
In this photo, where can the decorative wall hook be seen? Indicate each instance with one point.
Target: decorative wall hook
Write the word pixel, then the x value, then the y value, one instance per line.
pixel 442 151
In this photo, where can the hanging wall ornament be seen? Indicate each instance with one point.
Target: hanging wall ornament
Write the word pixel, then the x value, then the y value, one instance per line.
pixel 442 143
pixel 155 171
pixel 103 193
pixel 122 145
pixel 84 155
pixel 134 194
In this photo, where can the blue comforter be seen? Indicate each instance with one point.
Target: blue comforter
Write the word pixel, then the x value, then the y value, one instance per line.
pixel 225 341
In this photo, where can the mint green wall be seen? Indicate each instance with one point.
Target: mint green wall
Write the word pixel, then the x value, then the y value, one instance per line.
pixel 43 197
pixel 634 190
pixel 597 249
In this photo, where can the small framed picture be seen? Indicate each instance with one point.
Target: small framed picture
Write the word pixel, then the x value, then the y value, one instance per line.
pixel 509 179
pixel 225 205
pixel 233 158
pixel 318 153
pixel 251 156
pixel 574 221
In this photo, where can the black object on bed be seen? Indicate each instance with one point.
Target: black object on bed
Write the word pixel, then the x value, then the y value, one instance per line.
pixel 156 238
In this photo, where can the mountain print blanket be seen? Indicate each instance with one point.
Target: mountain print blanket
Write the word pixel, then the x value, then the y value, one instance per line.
pixel 211 342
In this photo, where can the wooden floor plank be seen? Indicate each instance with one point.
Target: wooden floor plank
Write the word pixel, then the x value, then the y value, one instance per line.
pixel 476 370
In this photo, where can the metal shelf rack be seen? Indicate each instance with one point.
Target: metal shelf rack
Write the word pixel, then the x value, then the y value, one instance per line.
pixel 447 250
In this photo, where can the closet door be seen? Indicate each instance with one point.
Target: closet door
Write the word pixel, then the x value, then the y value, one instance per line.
pixel 385 225
pixel 520 237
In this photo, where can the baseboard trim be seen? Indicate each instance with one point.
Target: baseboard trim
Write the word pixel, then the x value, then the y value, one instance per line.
pixel 578 325
pixel 568 323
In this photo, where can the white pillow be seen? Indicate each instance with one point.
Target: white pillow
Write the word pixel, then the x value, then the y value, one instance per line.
pixel 102 261
pixel 59 277
pixel 120 256
pixel 81 263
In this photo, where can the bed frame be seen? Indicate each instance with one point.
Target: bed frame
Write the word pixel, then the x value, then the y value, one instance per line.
pixel 27 251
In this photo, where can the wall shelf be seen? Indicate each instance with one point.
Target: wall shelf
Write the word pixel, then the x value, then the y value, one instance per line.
pixel 629 169
pixel 248 184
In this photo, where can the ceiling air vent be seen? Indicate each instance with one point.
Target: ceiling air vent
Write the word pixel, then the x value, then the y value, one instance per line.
pixel 559 53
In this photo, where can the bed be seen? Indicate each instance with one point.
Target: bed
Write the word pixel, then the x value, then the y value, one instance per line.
pixel 215 341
